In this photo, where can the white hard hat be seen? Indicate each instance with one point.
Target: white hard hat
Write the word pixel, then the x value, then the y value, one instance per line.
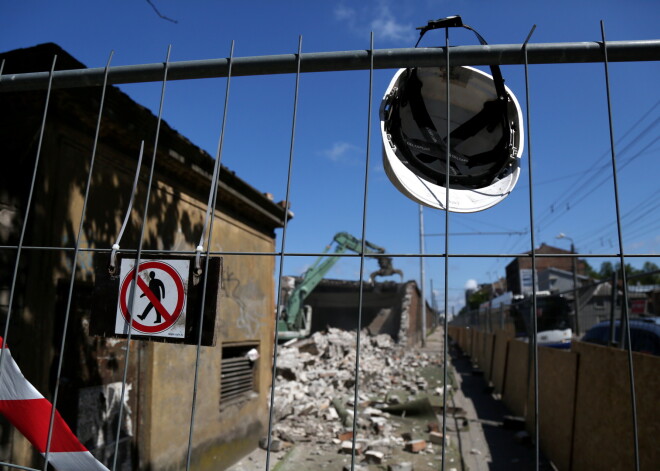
pixel 486 137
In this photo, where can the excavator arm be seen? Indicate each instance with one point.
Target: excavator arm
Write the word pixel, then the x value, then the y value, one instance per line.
pixel 295 321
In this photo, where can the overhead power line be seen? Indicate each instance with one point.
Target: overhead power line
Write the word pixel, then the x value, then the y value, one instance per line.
pixel 478 233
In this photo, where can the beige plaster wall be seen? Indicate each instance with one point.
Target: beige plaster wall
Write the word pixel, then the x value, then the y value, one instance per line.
pixel 245 314
pixel 245 307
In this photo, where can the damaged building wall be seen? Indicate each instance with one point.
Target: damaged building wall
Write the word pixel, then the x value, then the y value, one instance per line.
pixel 387 308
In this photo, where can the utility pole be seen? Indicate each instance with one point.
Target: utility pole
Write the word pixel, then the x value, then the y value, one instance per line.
pixel 421 274
pixel 434 304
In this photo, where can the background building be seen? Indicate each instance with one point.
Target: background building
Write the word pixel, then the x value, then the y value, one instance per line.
pixel 519 275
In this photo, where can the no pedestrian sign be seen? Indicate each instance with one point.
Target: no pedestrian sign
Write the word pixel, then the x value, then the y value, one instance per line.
pixel 163 303
pixel 154 303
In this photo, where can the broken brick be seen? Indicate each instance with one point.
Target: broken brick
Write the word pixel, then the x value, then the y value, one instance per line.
pixel 345 435
pixel 347 447
pixel 415 446
pixel 435 437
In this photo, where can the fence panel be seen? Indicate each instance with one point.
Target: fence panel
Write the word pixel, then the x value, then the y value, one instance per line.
pixel 66 198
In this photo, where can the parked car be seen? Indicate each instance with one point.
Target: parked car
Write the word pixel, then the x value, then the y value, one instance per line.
pixel 644 334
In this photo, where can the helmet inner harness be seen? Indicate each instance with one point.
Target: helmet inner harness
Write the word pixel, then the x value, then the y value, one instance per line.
pixel 482 146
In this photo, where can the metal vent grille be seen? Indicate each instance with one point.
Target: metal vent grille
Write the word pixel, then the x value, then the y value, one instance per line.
pixel 237 378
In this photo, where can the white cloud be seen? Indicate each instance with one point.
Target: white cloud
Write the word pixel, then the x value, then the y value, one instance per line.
pixel 647 245
pixel 385 26
pixel 379 19
pixel 343 12
pixel 471 284
pixel 340 151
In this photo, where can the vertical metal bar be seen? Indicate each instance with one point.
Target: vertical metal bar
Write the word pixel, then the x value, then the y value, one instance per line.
pixel 613 301
pixel 271 411
pixel 622 258
pixel 445 326
pixel 356 387
pixel 138 255
pixel 434 304
pixel 502 316
pixel 213 191
pixel 576 290
pixel 19 248
pixel 533 338
pixel 75 261
pixel 204 276
pixel 421 272
pixel 623 326
pixel 488 311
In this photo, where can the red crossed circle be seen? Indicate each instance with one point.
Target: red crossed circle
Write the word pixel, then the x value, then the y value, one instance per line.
pixel 170 318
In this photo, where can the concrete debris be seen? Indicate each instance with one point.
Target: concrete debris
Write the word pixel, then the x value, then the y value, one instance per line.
pixel 347 447
pixel 375 457
pixel 275 445
pixel 405 466
pixel 314 393
pixel 347 467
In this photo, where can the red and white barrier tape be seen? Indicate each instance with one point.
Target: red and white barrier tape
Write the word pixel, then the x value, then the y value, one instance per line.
pixel 30 412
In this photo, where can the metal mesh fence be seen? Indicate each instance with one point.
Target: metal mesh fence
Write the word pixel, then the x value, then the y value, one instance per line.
pixel 20 248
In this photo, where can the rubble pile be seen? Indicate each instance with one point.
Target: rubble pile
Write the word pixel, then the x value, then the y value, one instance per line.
pixel 314 392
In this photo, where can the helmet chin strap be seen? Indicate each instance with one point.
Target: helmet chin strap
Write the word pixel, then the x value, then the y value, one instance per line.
pixel 457 22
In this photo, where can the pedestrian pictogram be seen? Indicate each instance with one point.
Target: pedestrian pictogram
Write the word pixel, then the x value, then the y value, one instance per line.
pixel 158 304
pixel 155 287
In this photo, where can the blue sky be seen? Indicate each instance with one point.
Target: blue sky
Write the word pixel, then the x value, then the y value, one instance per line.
pixel 573 184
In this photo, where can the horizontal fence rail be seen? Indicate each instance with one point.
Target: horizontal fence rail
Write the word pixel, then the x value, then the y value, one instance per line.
pixel 502 54
pixel 341 255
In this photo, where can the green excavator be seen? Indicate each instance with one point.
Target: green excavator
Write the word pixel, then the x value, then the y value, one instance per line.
pixel 294 317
